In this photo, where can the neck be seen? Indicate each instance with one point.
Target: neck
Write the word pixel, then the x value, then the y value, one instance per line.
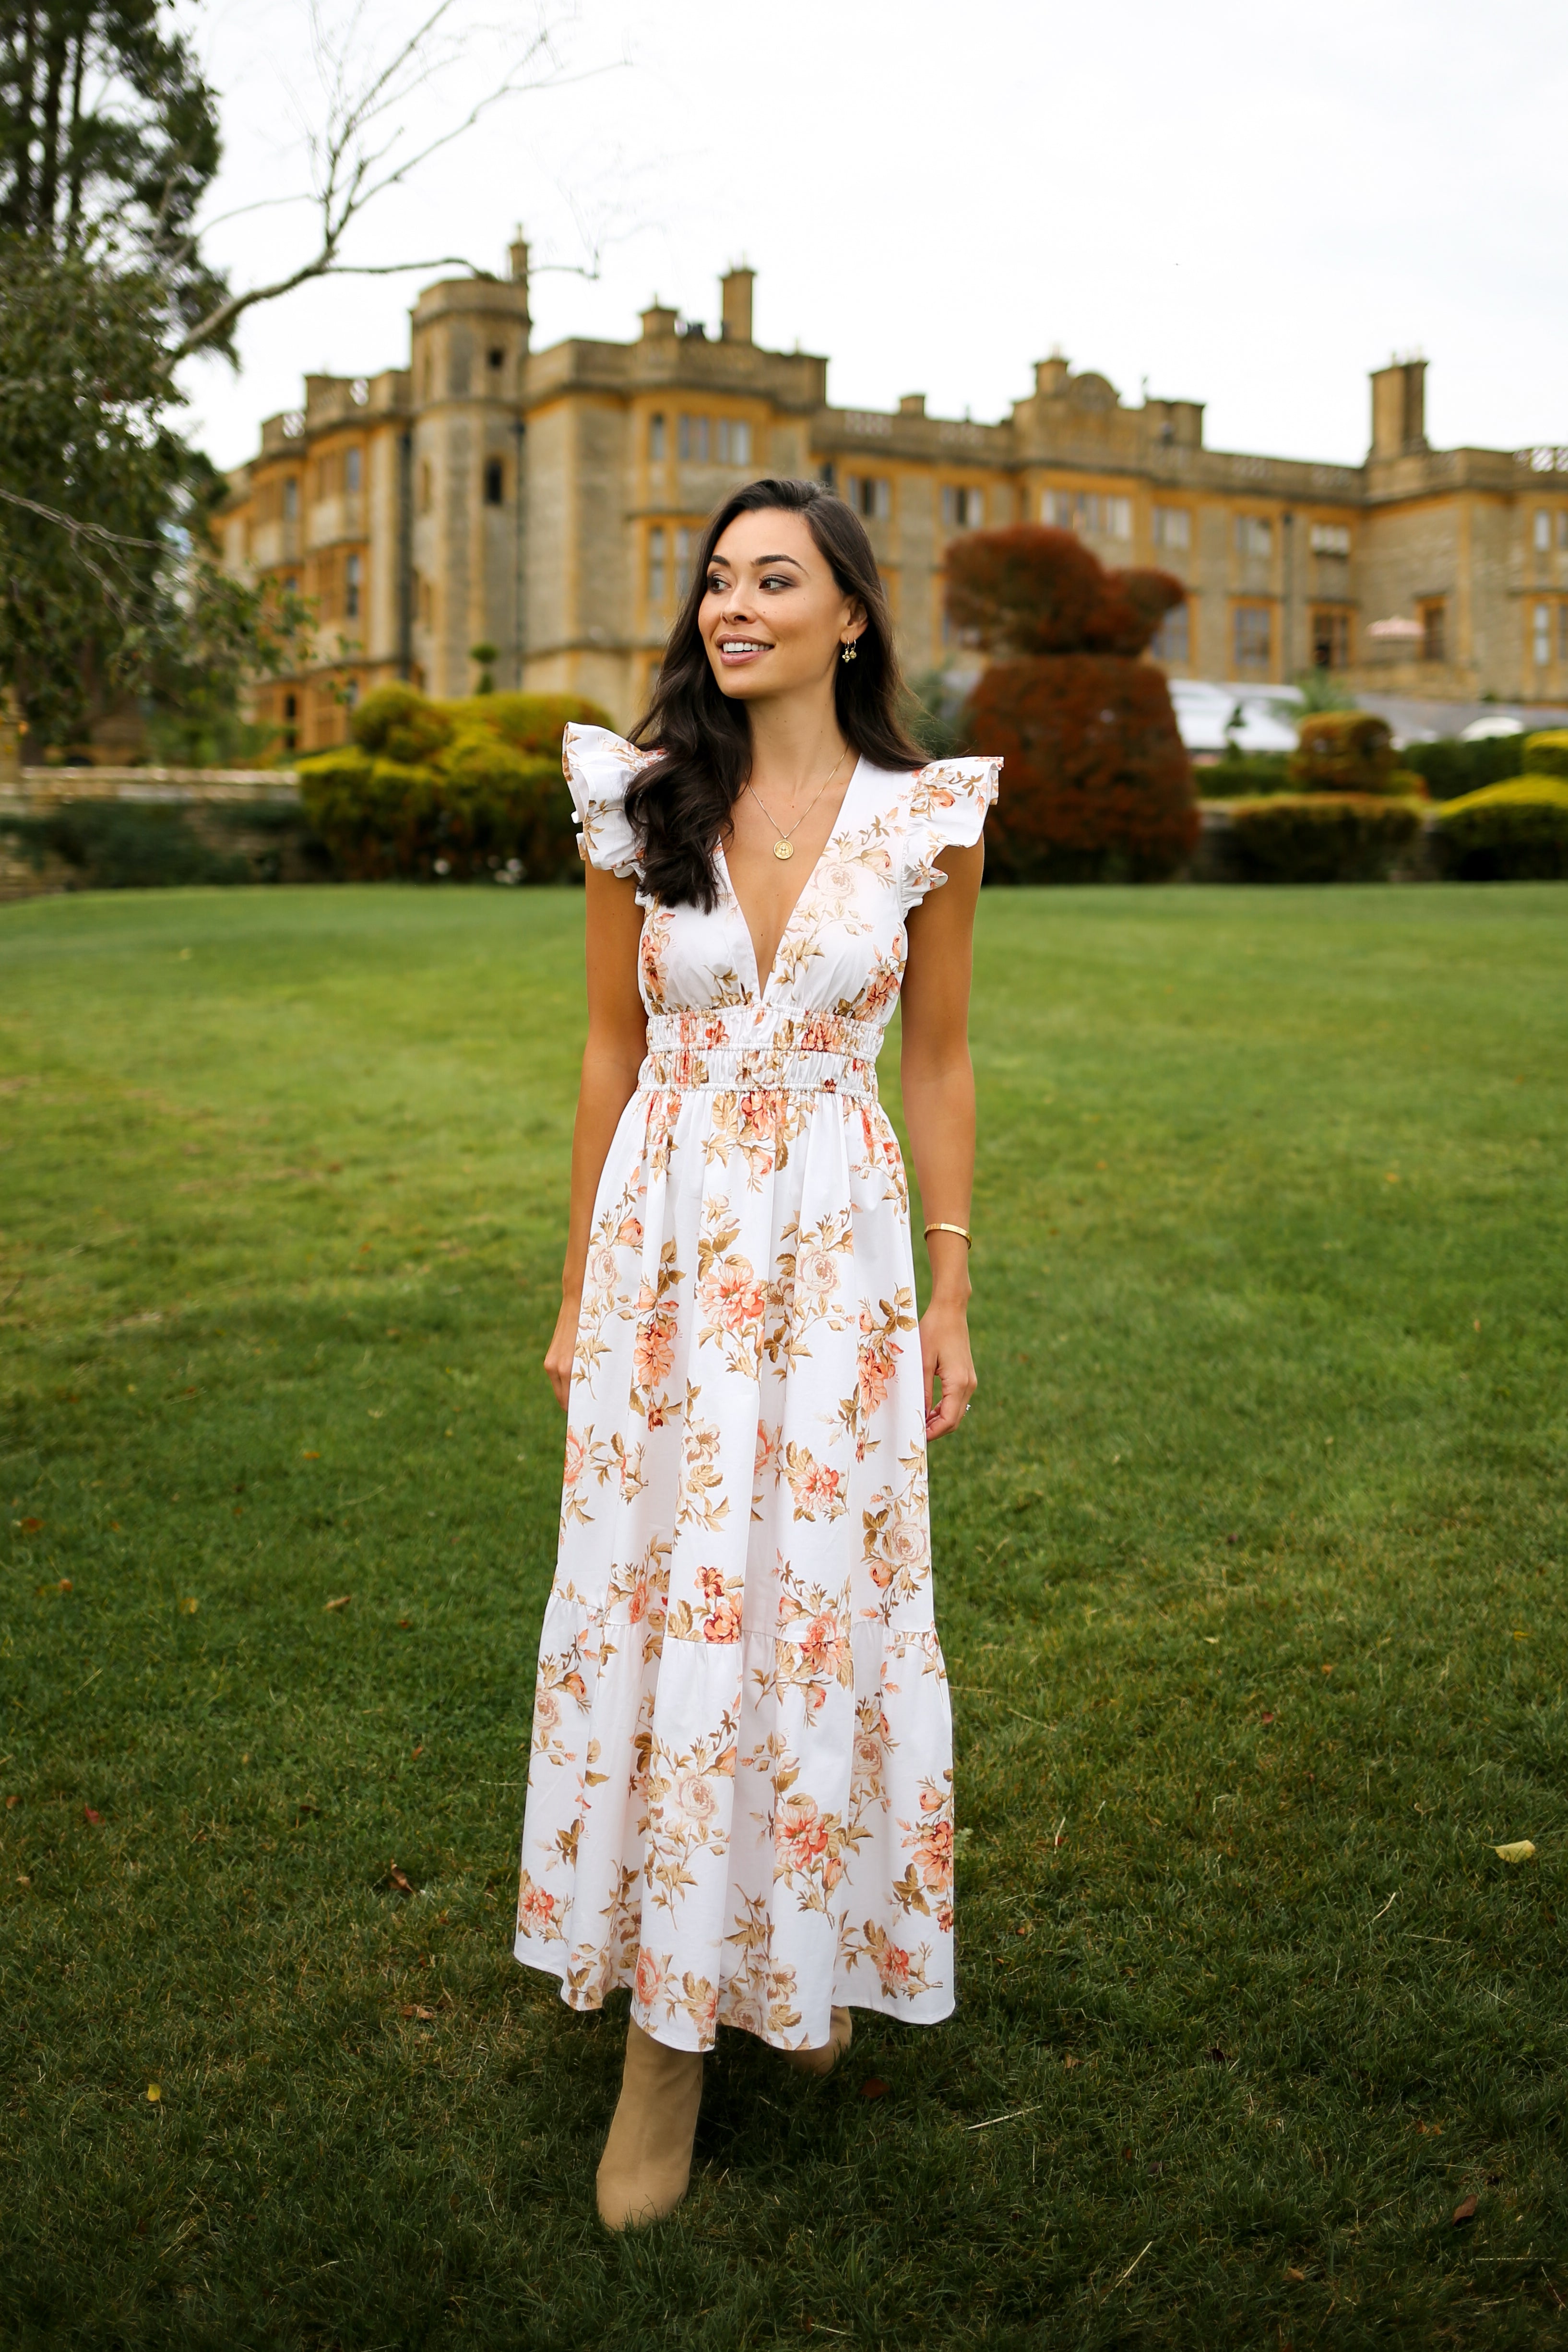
pixel 794 741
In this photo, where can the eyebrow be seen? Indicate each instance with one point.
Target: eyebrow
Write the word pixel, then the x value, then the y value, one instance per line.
pixel 758 562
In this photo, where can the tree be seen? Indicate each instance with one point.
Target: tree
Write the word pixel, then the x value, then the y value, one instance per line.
pixel 1097 781
pixel 109 143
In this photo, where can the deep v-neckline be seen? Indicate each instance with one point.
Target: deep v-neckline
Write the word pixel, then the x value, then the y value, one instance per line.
pixel 806 888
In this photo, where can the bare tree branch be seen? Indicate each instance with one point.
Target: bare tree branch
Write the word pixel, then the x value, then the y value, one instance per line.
pixel 354 153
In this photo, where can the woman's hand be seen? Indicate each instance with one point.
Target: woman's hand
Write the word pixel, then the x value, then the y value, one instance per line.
pixel 945 1357
pixel 561 1349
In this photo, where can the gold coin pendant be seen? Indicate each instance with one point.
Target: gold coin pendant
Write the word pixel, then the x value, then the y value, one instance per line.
pixel 784 849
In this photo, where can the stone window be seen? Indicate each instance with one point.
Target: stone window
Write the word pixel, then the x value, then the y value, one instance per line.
pixel 495 482
pixel 1254 537
pixel 734 439
pixel 1088 511
pixel 1543 531
pixel 495 358
pixel 685 547
pixel 1540 635
pixel 426 489
pixel 1173 640
pixel 963 507
pixel 693 440
pixel 353 572
pixel 1330 638
pixel 1172 528
pixel 656 439
pixel 1330 538
pixel 353 470
pixel 870 495
pixel 1253 638
pixel 1434 619
pixel 657 576
pixel 292 498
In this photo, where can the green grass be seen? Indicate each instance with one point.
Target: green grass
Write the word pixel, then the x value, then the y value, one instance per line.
pixel 1250 1564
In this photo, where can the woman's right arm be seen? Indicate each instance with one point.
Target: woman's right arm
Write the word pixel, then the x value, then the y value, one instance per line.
pixel 617 1040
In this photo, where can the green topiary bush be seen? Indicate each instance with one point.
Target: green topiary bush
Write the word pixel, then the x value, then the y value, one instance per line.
pixel 1545 754
pixel 1321 837
pixel 1451 767
pixel 1344 752
pixel 459 789
pixel 1244 775
pixel 1513 831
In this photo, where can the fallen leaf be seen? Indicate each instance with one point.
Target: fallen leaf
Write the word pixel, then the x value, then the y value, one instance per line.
pixel 412 2009
pixel 64 1585
pixel 418 1751
pixel 1069 2062
pixel 1464 2211
pixel 403 1885
pixel 91 1818
pixel 1391 1178
pixel 309 1457
pixel 11 1802
pixel 23 1879
pixel 873 2087
pixel 1266 1719
pixel 155 2092
pixel 1521 1850
pixel 341 1603
pixel 405 1625
pixel 1519 1634
pixel 1325 1669
pixel 1291 2273
pixel 1431 2131
pixel 31 1526
pixel 189 1605
pixel 1233 1540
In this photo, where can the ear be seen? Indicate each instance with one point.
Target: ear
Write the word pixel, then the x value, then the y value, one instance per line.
pixel 853 621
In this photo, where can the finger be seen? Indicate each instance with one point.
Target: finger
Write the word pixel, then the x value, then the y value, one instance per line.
pixel 927 1373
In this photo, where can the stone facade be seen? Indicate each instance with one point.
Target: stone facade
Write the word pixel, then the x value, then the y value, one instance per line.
pixel 546 504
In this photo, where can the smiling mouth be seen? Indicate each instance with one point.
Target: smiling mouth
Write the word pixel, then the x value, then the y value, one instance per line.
pixel 734 646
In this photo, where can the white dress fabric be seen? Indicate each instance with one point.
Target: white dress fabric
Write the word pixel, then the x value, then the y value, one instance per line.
pixel 739 1794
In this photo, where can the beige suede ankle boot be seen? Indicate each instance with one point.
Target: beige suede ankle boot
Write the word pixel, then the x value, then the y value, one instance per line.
pixel 647 2165
pixel 823 2060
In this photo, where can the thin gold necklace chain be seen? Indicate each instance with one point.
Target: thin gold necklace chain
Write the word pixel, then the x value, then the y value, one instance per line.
pixel 810 805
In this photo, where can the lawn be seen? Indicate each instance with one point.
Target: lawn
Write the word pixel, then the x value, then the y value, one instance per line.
pixel 1250 1576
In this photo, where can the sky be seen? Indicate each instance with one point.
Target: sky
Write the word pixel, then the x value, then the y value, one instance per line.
pixel 1250 205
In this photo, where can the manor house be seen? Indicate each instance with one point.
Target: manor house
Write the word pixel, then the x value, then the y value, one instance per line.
pixel 546 505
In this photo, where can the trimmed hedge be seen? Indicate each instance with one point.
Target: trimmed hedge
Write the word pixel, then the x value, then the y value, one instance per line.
pixel 1344 752
pixel 459 789
pixel 1244 775
pixel 1545 754
pixel 1321 837
pixel 1451 767
pixel 1097 785
pixel 1513 831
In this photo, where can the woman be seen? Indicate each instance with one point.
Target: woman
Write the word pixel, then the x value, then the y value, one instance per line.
pixel 740 1790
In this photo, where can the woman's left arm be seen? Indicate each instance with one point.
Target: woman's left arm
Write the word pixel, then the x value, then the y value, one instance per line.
pixel 939 1111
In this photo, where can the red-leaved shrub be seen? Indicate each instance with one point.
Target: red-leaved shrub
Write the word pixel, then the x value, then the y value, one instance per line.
pixel 1097 781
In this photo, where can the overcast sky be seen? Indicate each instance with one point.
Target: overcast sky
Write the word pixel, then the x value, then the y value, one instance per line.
pixel 1250 205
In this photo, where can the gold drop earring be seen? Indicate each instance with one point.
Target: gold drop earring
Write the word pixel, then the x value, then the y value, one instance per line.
pixel 850 651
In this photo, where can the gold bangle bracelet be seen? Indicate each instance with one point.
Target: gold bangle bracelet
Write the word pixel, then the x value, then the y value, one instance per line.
pixel 939 1225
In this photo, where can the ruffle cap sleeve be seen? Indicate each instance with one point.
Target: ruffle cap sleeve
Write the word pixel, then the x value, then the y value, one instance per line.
pixel 599 767
pixel 947 807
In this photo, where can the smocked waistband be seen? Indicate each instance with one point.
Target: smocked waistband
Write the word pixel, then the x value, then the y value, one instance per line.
pixel 757 1049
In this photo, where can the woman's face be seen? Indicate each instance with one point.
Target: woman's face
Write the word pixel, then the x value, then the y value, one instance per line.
pixel 774 618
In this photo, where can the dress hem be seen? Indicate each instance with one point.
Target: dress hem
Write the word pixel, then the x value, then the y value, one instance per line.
pixel 933 2011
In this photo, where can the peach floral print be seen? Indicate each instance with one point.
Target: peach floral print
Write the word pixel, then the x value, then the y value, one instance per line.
pixel 740 1760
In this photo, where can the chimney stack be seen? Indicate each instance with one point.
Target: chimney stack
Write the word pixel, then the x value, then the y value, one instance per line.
pixel 735 290
pixel 1399 409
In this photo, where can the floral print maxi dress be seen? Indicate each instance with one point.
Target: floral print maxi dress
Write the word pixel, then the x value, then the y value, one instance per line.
pixel 740 1795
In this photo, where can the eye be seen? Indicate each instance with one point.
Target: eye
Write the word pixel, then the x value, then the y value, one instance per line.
pixel 716 583
pixel 777 579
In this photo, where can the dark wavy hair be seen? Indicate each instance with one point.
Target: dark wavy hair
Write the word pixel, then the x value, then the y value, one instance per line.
pixel 680 806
